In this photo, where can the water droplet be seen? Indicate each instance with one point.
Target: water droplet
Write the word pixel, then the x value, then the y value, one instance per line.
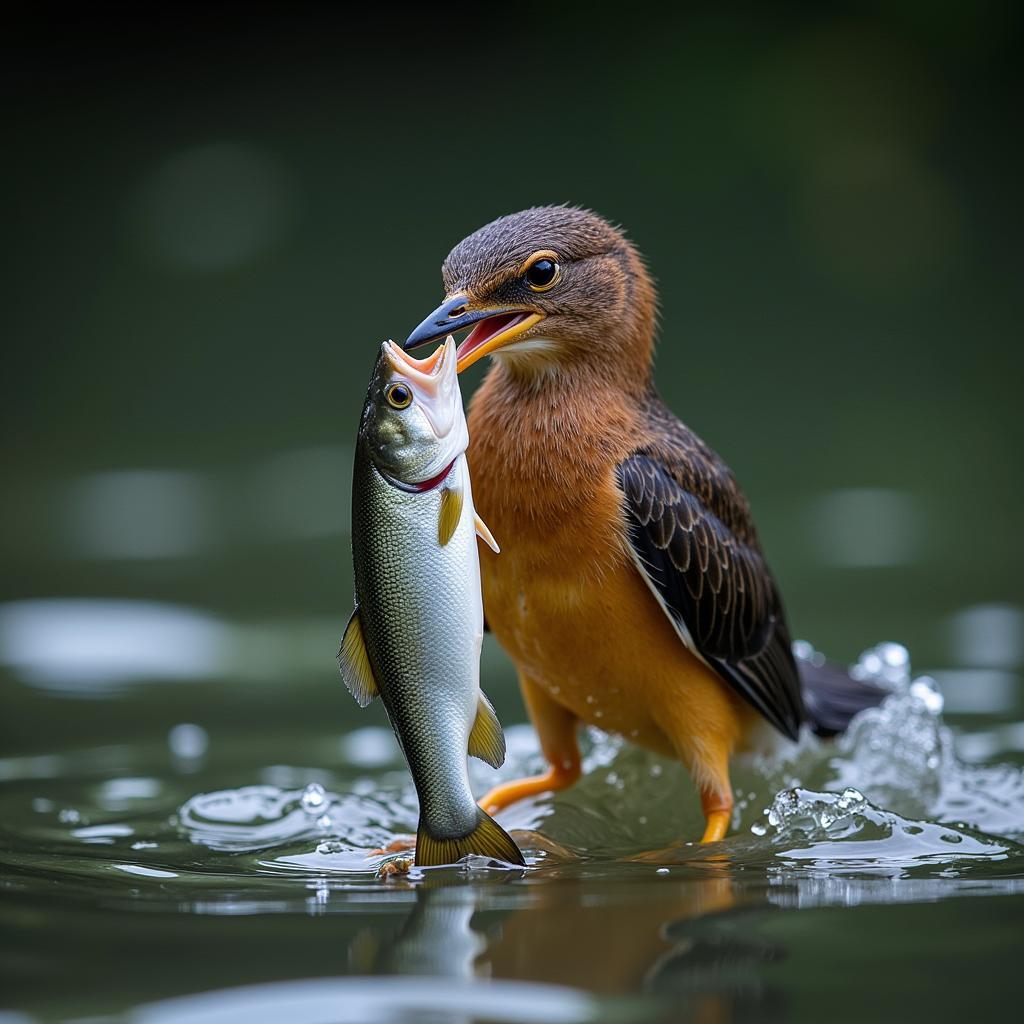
pixel 599 714
pixel 68 816
pixel 330 846
pixel 313 798
pixel 894 655
pixel 758 829
pixel 655 770
pixel 590 698
pixel 188 741
pixel 324 821
pixel 924 690
pixel 662 871
pixel 802 650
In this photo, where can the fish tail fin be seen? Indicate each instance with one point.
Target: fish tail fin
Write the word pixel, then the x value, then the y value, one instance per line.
pixel 488 839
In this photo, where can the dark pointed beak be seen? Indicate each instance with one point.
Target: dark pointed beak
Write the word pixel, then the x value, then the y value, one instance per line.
pixel 451 316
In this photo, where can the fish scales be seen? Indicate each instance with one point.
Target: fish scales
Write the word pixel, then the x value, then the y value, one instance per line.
pixel 430 691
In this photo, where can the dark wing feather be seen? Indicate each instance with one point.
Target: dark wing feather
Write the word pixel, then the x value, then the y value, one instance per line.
pixel 690 530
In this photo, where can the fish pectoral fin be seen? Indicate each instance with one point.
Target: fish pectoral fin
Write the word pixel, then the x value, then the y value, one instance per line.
pixel 485 534
pixel 354 663
pixel 451 513
pixel 486 740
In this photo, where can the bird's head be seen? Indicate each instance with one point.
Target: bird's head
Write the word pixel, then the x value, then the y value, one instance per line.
pixel 550 286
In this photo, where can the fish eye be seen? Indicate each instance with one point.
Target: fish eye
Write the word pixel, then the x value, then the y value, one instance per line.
pixel 398 395
pixel 542 272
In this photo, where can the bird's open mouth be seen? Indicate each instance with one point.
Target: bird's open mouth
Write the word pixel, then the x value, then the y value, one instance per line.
pixel 492 333
pixel 490 329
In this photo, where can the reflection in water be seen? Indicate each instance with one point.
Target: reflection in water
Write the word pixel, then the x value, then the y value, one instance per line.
pixel 378 1001
pixel 435 939
pixel 560 931
pixel 621 943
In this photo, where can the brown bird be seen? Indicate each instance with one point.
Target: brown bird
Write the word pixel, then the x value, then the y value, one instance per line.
pixel 631 591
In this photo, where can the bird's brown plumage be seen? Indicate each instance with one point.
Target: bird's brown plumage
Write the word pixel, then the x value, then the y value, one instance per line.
pixel 631 591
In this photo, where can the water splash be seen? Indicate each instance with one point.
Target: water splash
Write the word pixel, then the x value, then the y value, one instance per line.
pixel 902 755
pixel 845 833
pixel 263 817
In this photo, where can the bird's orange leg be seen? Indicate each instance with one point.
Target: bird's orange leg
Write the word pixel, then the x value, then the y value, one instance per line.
pixel 704 742
pixel 709 765
pixel 556 729
pixel 717 808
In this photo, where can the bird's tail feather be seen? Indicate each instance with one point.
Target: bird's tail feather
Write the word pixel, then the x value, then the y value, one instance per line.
pixel 488 839
pixel 832 696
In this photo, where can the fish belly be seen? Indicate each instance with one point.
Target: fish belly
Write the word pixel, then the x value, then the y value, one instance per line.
pixel 422 616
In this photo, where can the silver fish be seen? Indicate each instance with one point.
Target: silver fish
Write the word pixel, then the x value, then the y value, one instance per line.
pixel 415 635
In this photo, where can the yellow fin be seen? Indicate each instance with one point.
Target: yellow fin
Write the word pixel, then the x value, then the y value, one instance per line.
pixel 486 740
pixel 354 664
pixel 485 534
pixel 488 839
pixel 451 513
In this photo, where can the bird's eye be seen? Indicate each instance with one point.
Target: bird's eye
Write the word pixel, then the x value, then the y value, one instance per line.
pixel 543 272
pixel 399 395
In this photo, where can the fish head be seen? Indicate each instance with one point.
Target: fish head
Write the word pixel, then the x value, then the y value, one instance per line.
pixel 413 423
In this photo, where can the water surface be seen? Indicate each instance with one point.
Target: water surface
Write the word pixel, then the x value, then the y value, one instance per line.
pixel 188 878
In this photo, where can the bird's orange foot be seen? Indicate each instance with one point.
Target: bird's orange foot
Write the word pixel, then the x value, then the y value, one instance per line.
pixel 519 789
pixel 397 845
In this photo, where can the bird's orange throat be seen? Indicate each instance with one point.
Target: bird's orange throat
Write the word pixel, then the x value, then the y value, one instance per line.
pixel 541 450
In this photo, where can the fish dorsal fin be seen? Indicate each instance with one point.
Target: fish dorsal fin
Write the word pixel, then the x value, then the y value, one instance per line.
pixel 486 740
pixel 451 513
pixel 354 663
pixel 485 534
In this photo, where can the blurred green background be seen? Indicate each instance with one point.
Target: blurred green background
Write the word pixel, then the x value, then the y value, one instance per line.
pixel 213 217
